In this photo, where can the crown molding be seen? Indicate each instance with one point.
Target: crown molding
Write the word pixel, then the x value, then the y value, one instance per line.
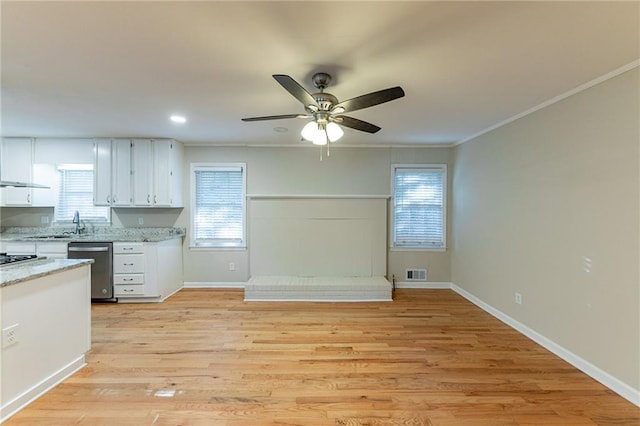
pixel 555 99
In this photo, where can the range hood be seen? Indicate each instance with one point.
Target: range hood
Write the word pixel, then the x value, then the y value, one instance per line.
pixel 6 183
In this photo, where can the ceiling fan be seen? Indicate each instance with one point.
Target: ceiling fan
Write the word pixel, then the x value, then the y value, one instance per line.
pixel 326 111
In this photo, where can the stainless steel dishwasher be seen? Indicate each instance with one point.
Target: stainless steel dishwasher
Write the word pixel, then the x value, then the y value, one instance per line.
pixel 101 269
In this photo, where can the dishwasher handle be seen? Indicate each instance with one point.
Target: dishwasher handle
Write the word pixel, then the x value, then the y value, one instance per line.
pixel 88 248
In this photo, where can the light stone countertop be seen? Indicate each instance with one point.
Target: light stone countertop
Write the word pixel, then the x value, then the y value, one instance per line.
pixel 99 234
pixel 24 271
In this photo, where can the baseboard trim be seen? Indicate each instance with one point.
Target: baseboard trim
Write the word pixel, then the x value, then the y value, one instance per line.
pixel 202 284
pixel 301 299
pixel 423 284
pixel 39 389
pixel 616 385
pixel 162 299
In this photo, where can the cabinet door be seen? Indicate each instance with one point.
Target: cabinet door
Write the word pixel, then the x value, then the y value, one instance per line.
pixel 121 172
pixel 17 166
pixel 102 173
pixel 162 173
pixel 20 247
pixel 142 166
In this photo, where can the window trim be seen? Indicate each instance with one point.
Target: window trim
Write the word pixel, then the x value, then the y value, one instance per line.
pixel 392 232
pixel 193 245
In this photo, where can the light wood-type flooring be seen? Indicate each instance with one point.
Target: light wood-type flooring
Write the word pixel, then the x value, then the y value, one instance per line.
pixel 205 357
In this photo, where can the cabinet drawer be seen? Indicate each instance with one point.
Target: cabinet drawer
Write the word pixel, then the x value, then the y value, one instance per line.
pixel 129 290
pixel 128 279
pixel 128 264
pixel 127 248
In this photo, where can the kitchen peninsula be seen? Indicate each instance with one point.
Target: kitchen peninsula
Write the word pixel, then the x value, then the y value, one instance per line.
pixel 46 310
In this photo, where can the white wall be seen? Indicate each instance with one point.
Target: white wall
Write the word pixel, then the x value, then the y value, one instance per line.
pixel 548 206
pixel 329 237
pixel 299 171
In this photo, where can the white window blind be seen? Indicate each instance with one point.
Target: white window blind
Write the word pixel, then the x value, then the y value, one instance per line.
pixel 76 194
pixel 219 205
pixel 419 199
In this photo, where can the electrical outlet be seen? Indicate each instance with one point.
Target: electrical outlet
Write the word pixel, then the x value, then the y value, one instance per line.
pixel 232 266
pixel 10 335
pixel 140 220
pixel 518 298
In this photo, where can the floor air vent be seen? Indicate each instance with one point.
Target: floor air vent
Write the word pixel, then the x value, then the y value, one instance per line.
pixel 416 275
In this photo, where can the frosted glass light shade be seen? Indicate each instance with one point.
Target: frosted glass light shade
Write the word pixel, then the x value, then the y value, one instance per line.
pixel 320 137
pixel 334 132
pixel 309 131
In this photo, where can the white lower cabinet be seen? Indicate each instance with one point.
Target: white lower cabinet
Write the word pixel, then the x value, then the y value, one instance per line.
pixel 20 247
pixel 48 249
pixel 52 250
pixel 147 272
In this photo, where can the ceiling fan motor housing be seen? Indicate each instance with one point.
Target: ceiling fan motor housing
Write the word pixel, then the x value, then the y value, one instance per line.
pixel 325 100
pixel 321 80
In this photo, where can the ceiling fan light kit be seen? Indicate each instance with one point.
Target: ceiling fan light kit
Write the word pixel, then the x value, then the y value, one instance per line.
pixel 326 111
pixel 318 133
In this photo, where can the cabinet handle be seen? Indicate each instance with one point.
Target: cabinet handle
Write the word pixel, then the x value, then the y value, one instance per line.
pixel 148 199
pixel 154 200
pixel 28 198
pixel 127 248
pixel 127 279
pixel 108 200
pixel 130 290
pixel 128 264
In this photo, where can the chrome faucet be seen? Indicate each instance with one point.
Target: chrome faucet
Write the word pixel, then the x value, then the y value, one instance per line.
pixel 76 220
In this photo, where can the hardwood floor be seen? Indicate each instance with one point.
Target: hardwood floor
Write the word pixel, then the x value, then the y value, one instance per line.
pixel 205 357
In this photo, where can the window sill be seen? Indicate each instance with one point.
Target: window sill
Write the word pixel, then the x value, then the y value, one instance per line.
pixel 431 249
pixel 216 248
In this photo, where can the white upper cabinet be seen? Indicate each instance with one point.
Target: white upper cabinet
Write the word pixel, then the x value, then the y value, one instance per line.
pixel 121 172
pixel 112 172
pixel 141 173
pixel 17 166
pixel 102 172
pixel 167 173
pixel 157 173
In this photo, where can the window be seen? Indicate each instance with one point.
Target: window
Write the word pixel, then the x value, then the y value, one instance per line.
pixel 218 205
pixel 76 194
pixel 419 206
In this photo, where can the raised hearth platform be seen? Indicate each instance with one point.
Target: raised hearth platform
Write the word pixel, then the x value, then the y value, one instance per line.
pixel 317 289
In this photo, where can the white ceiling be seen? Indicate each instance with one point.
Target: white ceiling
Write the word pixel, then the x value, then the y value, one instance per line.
pixel 85 69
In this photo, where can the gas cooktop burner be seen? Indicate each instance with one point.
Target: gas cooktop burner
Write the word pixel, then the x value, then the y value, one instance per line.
pixel 9 259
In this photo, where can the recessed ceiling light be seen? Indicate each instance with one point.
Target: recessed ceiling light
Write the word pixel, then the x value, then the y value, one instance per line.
pixel 281 129
pixel 178 119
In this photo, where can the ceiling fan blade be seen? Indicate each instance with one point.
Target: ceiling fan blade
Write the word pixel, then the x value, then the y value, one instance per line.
pixel 370 99
pixel 354 123
pixel 276 117
pixel 295 89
